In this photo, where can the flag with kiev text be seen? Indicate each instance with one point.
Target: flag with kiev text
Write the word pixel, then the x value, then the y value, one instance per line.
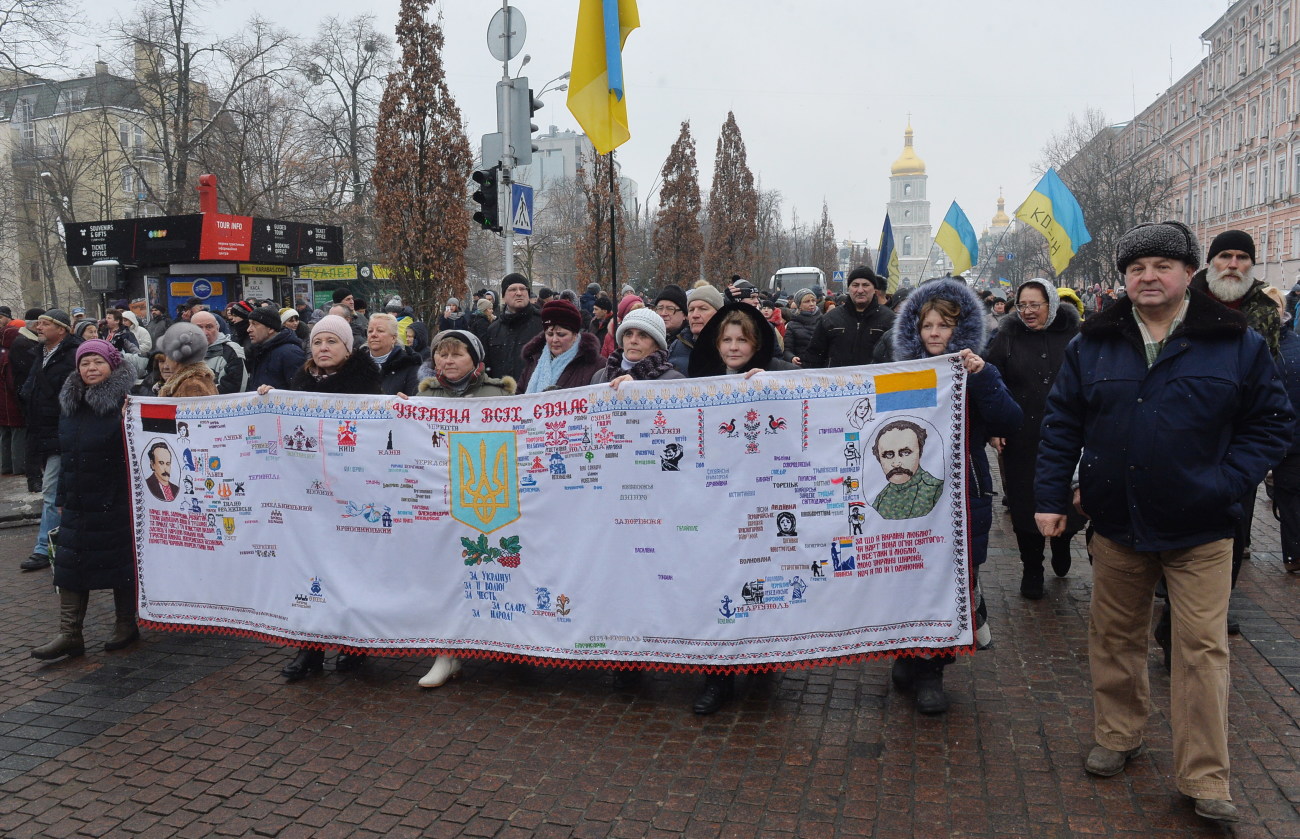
pixel 1052 210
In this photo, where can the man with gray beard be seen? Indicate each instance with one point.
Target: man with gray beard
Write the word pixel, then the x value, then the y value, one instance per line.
pixel 1226 277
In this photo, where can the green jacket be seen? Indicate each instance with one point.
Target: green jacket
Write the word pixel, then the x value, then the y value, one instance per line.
pixel 1260 311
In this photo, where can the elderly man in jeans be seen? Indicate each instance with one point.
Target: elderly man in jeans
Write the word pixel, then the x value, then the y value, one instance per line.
pixel 1172 409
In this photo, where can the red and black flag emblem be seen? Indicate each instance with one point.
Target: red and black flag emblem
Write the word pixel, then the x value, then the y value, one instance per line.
pixel 158 419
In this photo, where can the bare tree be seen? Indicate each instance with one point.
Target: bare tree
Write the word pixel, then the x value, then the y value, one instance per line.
pixel 678 239
pixel 423 162
pixel 733 208
pixel 33 34
pixel 185 90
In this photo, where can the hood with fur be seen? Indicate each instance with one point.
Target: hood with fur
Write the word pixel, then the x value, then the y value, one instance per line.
pixel 104 398
pixel 970 333
pixel 705 358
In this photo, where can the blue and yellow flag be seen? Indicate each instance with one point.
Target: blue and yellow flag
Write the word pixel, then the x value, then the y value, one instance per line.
pixel 887 263
pixel 596 80
pixel 1051 210
pixel 899 391
pixel 957 238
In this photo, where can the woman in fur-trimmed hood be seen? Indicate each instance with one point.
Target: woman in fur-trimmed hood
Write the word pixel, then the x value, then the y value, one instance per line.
pixel 94 542
pixel 940 318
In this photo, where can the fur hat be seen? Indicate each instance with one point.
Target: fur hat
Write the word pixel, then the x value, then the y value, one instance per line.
pixel 1232 240
pixel 1170 239
pixel 563 314
pixel 649 322
pixel 101 348
pixel 183 343
pixel 337 327
pixel 463 336
pixel 708 294
pixel 269 318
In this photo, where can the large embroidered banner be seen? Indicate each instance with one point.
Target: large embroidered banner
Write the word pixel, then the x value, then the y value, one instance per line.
pixel 780 521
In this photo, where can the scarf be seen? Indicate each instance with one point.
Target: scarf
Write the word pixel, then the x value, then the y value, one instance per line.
pixel 549 368
pixel 459 386
pixel 1150 345
pixel 652 367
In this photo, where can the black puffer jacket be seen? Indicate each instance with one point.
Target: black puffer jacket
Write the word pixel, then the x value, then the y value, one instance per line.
pixel 845 337
pixel 400 372
pixel 707 361
pixel 799 329
pixel 357 375
pixel 275 361
pixel 40 395
pixel 94 545
pixel 505 342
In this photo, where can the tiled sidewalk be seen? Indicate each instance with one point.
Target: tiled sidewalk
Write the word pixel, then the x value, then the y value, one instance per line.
pixel 192 736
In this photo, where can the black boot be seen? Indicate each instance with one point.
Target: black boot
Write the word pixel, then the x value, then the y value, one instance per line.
pixel 303 665
pixel 69 641
pixel 930 698
pixel 901 672
pixel 349 662
pixel 1061 555
pixel 125 631
pixel 718 688
pixel 1031 561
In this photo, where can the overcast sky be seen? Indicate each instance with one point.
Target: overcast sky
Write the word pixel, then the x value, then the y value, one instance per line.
pixel 822 89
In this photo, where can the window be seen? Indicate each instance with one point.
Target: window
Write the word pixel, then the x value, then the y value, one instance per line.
pixel 24 114
pixel 1281 178
pixel 907 246
pixel 130 136
pixel 1250 188
pixel 907 190
pixel 1295 243
pixel 1254 122
pixel 71 100
pixel 1238 192
pixel 128 181
pixel 1265 185
pixel 907 215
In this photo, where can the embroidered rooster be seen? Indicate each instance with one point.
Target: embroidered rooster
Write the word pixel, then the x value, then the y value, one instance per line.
pixel 775 424
pixel 728 428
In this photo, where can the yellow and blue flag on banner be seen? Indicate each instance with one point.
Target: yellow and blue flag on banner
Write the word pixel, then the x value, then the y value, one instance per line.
pixel 596 97
pixel 1051 210
pixel 957 238
pixel 887 262
pixel 900 391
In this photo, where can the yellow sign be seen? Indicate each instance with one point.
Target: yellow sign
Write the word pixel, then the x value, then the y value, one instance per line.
pixel 327 272
pixel 382 272
pixel 263 270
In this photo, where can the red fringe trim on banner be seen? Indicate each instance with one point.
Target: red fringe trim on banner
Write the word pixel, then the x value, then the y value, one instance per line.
pixel 574 664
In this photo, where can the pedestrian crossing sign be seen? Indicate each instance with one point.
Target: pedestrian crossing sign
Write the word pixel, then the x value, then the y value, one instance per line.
pixel 521 209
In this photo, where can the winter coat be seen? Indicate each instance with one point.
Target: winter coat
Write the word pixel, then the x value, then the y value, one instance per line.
pixel 846 337
pixel 654 367
pixel 227 363
pixel 799 330
pixel 124 341
pixel 1165 453
pixel 707 361
pixel 275 361
pixel 23 354
pixel 158 327
pixel 190 380
pixel 40 397
pixel 400 372
pixel 1028 360
pixel 1288 365
pixel 586 363
pixel 11 409
pixel 484 386
pixel 95 546
pixel 506 338
pixel 990 410
pixel 358 374
pixel 679 351
pixel 1260 310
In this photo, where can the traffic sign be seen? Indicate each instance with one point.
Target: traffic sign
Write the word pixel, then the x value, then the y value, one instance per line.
pixel 521 209
pixel 837 276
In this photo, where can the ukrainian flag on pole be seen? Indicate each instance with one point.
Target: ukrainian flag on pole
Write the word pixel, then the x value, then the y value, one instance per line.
pixel 1051 210
pixel 957 238
pixel 596 80
pixel 887 262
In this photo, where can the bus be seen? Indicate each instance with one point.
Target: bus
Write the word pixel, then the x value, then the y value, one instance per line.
pixel 787 281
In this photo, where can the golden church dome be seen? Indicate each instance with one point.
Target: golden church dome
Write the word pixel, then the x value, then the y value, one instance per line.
pixel 1000 218
pixel 908 163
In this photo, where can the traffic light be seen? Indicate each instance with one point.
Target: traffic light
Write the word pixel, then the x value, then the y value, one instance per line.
pixel 518 97
pixel 488 216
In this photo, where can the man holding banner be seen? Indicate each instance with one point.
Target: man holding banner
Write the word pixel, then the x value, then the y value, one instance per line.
pixel 1173 409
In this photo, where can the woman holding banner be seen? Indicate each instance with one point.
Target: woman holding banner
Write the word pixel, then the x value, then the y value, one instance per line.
pixel 737 341
pixel 94 543
pixel 940 318
pixel 333 366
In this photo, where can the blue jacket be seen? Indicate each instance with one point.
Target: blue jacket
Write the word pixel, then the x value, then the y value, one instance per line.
pixel 275 361
pixel 1167 452
pixel 1288 364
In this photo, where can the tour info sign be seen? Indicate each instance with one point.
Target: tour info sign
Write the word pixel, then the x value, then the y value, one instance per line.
pixel 786 520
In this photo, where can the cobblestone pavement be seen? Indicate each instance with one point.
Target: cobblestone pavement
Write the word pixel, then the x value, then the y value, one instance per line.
pixel 196 735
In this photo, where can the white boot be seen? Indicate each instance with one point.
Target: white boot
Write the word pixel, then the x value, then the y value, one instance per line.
pixel 444 667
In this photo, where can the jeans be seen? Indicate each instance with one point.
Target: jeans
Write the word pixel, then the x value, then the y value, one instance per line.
pixel 49 512
pixel 1199 583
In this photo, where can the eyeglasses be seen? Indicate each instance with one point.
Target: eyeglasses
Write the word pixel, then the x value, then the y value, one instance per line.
pixel 667 310
pixel 1029 307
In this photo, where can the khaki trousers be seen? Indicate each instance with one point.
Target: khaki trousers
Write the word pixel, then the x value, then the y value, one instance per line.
pixel 1200 581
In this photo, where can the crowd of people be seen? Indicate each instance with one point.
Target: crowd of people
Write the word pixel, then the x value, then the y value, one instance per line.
pixel 1147 418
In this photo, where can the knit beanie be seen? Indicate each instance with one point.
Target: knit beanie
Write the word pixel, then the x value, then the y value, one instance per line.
pixel 862 272
pixel 269 319
pixel 101 348
pixel 708 294
pixel 649 322
pixel 183 343
pixel 1170 239
pixel 241 308
pixel 58 317
pixel 80 329
pixel 337 327
pixel 625 305
pixel 563 314
pixel 287 315
pixel 800 295
pixel 513 279
pixel 340 294
pixel 1232 240
pixel 674 294
pixel 469 339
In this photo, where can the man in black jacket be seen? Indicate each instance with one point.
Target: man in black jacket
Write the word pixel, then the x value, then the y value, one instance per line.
pixel 847 335
pixel 55 361
pixel 274 351
pixel 518 323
